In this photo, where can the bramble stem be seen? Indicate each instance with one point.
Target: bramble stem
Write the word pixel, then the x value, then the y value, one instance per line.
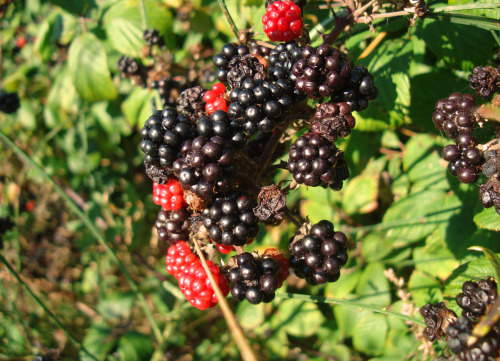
pixel 45 308
pixel 247 354
pixel 229 19
pixel 91 227
pixel 344 302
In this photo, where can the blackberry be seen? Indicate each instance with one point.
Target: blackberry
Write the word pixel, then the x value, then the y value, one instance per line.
pixel 325 72
pixel 318 255
pixel 228 54
pixel 255 279
pixel 244 67
pixel 455 115
pixel 163 135
pixel 333 121
pixel 219 124
pixel 128 66
pixel 314 161
pixel 489 195
pixel 9 102
pixel 167 89
pixel 205 166
pixel 476 297
pixel 173 226
pixel 485 349
pixel 260 105
pixel 492 163
pixel 485 80
pixel 281 60
pixel 437 317
pixel 152 37
pixel 191 102
pixel 231 221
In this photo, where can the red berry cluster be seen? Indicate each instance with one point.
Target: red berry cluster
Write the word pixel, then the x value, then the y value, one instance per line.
pixel 215 98
pixel 282 21
pixel 168 195
pixel 193 281
pixel 196 286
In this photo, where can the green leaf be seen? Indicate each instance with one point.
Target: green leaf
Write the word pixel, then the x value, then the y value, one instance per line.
pixel 99 341
pixel 75 7
pixel 344 286
pixel 116 305
pixel 250 316
pixel 365 339
pixel 124 28
pixel 49 32
pixel 135 346
pixel 480 268
pixel 373 286
pixel 360 195
pixel 466 19
pixel 137 106
pixel 424 288
pixel 493 258
pixel 424 212
pixel 435 259
pixel 459 46
pixel 297 318
pixel 88 68
pixel 488 218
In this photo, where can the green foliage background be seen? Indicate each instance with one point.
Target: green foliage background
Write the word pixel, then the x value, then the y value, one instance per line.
pixel 80 122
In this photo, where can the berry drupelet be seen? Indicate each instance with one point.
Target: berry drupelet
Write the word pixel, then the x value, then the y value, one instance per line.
pixel 318 255
pixel 485 80
pixel 191 102
pixel 168 195
pixel 173 226
pixel 437 317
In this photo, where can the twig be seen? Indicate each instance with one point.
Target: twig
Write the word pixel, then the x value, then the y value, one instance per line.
pixel 362 9
pixel 45 308
pixel 229 19
pixel 372 45
pixel 291 218
pixel 247 354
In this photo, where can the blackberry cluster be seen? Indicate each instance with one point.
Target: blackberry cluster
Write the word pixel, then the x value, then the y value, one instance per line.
pixel 437 318
pixel 455 117
pixel 231 221
pixel 9 102
pixel 191 102
pixel 205 166
pixel 259 50
pixel 489 192
pixel 318 255
pixel 485 80
pixel 167 89
pixel 255 279
pixel 314 161
pixel 333 121
pixel 219 124
pixel 128 66
pixel 476 297
pixel 163 135
pixel 260 105
pixel 152 37
pixel 228 53
pixel 282 59
pixel 486 348
pixel 244 67
pixel 173 226
pixel 325 72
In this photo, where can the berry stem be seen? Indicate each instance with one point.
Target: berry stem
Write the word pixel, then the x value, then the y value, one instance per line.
pixel 291 218
pixel 229 19
pixel 91 227
pixel 247 354
pixel 340 24
pixel 45 308
pixel 344 302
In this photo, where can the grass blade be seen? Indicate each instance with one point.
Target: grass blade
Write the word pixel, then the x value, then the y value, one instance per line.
pixel 344 302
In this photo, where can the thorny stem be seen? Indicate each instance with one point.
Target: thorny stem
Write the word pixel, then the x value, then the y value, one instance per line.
pixel 340 24
pixel 45 308
pixel 247 354
pixel 229 19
